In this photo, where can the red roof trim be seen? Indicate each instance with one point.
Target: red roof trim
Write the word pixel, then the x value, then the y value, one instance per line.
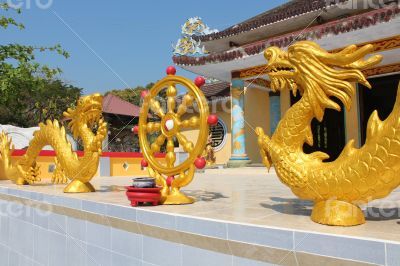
pixel 47 153
pixel 44 153
pixel 129 155
pixel 283 12
pixel 115 105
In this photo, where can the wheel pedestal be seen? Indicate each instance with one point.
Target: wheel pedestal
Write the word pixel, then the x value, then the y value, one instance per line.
pixel 77 186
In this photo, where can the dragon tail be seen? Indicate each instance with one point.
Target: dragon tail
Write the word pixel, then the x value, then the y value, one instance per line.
pixel 372 170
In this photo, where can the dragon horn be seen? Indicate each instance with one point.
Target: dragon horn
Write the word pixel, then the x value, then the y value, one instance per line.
pixel 347 56
pixel 363 64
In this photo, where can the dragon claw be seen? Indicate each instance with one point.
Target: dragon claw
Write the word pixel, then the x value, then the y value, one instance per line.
pixel 59 176
pixel 32 175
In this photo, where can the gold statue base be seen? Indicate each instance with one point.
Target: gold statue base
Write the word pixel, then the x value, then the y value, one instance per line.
pixel 335 212
pixel 21 181
pixel 77 186
pixel 177 198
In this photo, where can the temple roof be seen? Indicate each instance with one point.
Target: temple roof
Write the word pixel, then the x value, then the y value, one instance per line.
pixel 216 89
pixel 291 9
pixel 114 105
pixel 290 17
pixel 213 91
pixel 370 26
pixel 316 32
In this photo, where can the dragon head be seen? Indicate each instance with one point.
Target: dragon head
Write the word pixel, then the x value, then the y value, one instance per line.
pixel 318 74
pixel 88 112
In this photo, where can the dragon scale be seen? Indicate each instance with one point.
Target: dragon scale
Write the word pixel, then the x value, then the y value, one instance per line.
pixel 357 174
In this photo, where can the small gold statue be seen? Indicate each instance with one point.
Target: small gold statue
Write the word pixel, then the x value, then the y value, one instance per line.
pixel 209 153
pixel 357 176
pixel 83 118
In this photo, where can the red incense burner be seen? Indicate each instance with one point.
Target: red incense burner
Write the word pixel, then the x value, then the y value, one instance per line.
pixel 143 195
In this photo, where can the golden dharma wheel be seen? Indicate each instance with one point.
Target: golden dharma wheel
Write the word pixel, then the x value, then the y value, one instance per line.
pixel 172 119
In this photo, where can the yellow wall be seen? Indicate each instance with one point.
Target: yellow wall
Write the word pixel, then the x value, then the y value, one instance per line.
pixel 117 169
pixel 43 162
pixel 134 169
pixel 116 166
pixel 256 115
pixel 223 155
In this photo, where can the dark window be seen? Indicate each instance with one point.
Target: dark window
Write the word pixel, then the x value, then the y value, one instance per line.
pixel 381 97
pixel 329 134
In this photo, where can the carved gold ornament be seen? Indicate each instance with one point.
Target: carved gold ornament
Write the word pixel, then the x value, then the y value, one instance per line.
pixel 170 176
pixel 357 176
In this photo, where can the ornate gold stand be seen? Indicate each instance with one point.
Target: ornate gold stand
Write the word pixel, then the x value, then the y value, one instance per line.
pixel 172 121
pixel 176 197
pixel 335 212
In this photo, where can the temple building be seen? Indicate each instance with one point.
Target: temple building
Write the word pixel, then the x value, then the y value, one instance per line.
pixel 234 56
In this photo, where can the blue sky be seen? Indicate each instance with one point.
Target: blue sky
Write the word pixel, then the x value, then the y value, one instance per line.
pixel 133 38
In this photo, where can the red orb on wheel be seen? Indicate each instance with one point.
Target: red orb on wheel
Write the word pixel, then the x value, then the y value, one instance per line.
pixel 199 81
pixel 143 94
pixel 200 163
pixel 212 120
pixel 144 163
pixel 135 130
pixel 171 70
pixel 170 179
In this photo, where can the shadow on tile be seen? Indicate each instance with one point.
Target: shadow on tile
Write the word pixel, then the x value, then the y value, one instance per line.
pixel 303 207
pixel 202 195
pixel 289 206
pixel 111 188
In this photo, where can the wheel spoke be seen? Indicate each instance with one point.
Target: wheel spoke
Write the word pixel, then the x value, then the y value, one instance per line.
pixel 156 108
pixel 186 144
pixel 156 145
pixel 170 157
pixel 153 127
pixel 187 101
pixel 193 122
pixel 171 93
pixel 171 104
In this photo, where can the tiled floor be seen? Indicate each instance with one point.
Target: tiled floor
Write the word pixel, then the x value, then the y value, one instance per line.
pixel 246 195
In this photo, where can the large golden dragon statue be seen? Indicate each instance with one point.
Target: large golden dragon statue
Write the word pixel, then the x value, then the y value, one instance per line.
pixel 85 123
pixel 357 176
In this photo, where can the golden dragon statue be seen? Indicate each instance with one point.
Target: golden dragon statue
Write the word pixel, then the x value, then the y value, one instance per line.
pixel 84 120
pixel 357 176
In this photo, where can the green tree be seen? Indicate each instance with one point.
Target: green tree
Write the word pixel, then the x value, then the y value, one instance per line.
pixel 21 76
pixel 131 95
pixel 49 99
